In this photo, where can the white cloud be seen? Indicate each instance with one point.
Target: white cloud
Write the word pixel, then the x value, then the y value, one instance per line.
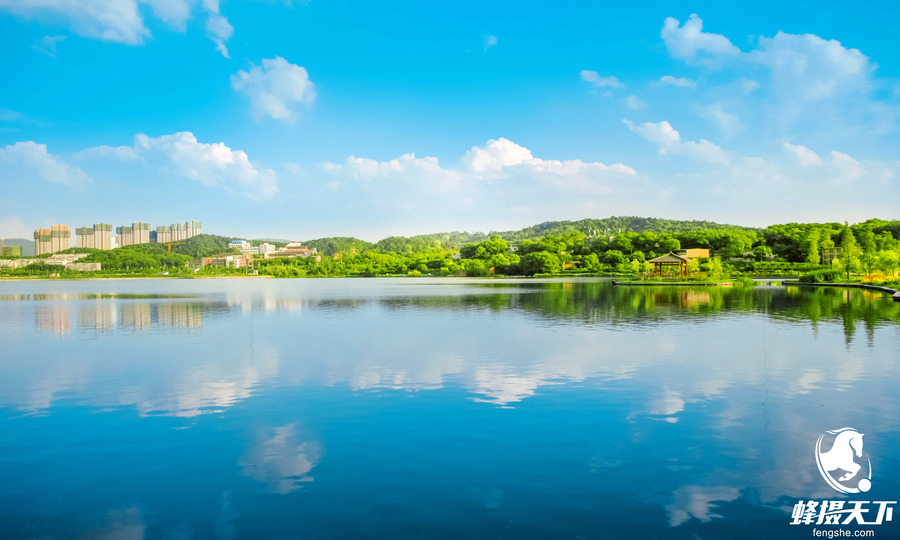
pixel 217 27
pixel 677 81
pixel 504 156
pixel 634 102
pixel 274 88
pixel 499 170
pixel 407 168
pixel 12 227
pixel 802 154
pixel 174 13
pixel 120 21
pixel 489 42
pixel 495 155
pixel 600 82
pixel 48 45
pixel 846 167
pixel 211 164
pixel 669 141
pixel 689 42
pixel 118 153
pixel 727 122
pixel 29 158
pixel 811 68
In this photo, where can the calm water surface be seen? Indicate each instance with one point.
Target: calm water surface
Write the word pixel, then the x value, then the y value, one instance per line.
pixel 414 408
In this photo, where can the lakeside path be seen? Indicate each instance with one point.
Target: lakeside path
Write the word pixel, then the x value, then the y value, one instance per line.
pixel 895 294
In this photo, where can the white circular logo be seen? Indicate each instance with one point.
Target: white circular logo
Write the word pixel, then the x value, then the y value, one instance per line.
pixel 842 461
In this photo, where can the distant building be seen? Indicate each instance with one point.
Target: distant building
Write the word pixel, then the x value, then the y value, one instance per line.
pixel 229 260
pixel 124 236
pixel 179 232
pixel 60 238
pixel 266 248
pixel 67 260
pixel 11 251
pixel 829 255
pixel 141 232
pixel 98 237
pixel 693 253
pixel 163 234
pixel 84 237
pixel 56 238
pixel 102 236
pixel 192 228
pixel 293 249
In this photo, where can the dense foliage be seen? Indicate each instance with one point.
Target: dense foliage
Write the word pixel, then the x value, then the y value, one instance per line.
pixel 615 245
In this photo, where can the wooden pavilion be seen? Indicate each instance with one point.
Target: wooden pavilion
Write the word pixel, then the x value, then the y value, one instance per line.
pixel 670 264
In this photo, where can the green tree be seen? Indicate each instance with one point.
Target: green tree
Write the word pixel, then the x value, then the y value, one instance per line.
pixel 811 244
pixel 869 251
pixel 540 262
pixel 849 250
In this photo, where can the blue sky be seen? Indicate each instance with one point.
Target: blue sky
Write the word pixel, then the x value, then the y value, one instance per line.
pixel 325 118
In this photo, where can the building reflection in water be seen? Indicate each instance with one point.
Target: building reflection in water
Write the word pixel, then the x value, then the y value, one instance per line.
pixel 105 317
pixel 56 319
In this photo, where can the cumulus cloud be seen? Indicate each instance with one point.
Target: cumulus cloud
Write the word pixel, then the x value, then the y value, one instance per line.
pixel 502 155
pixel 811 68
pixel 98 19
pixel 423 172
pixel 275 88
pixel 212 164
pixel 669 142
pixel 29 159
pixel 600 82
pixel 634 102
pixel 120 21
pixel 802 154
pixel 689 41
pixel 797 78
pixel 499 170
pixel 495 155
pixel 677 81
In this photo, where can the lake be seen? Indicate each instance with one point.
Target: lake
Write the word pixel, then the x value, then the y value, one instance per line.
pixel 437 408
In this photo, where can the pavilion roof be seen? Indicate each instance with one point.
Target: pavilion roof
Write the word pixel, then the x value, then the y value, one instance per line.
pixel 670 258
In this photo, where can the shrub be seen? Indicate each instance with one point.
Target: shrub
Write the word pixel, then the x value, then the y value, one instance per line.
pixel 821 276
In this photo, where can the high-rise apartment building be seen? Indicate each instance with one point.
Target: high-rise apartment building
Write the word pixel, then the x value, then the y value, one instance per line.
pixel 141 232
pixel 124 236
pixel 42 241
pixel 179 231
pixel 84 237
pixel 102 236
pixel 60 238
pixel 163 234
pixel 98 237
pixel 193 228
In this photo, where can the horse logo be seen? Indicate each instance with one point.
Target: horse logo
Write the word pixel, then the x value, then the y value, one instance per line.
pixel 838 461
